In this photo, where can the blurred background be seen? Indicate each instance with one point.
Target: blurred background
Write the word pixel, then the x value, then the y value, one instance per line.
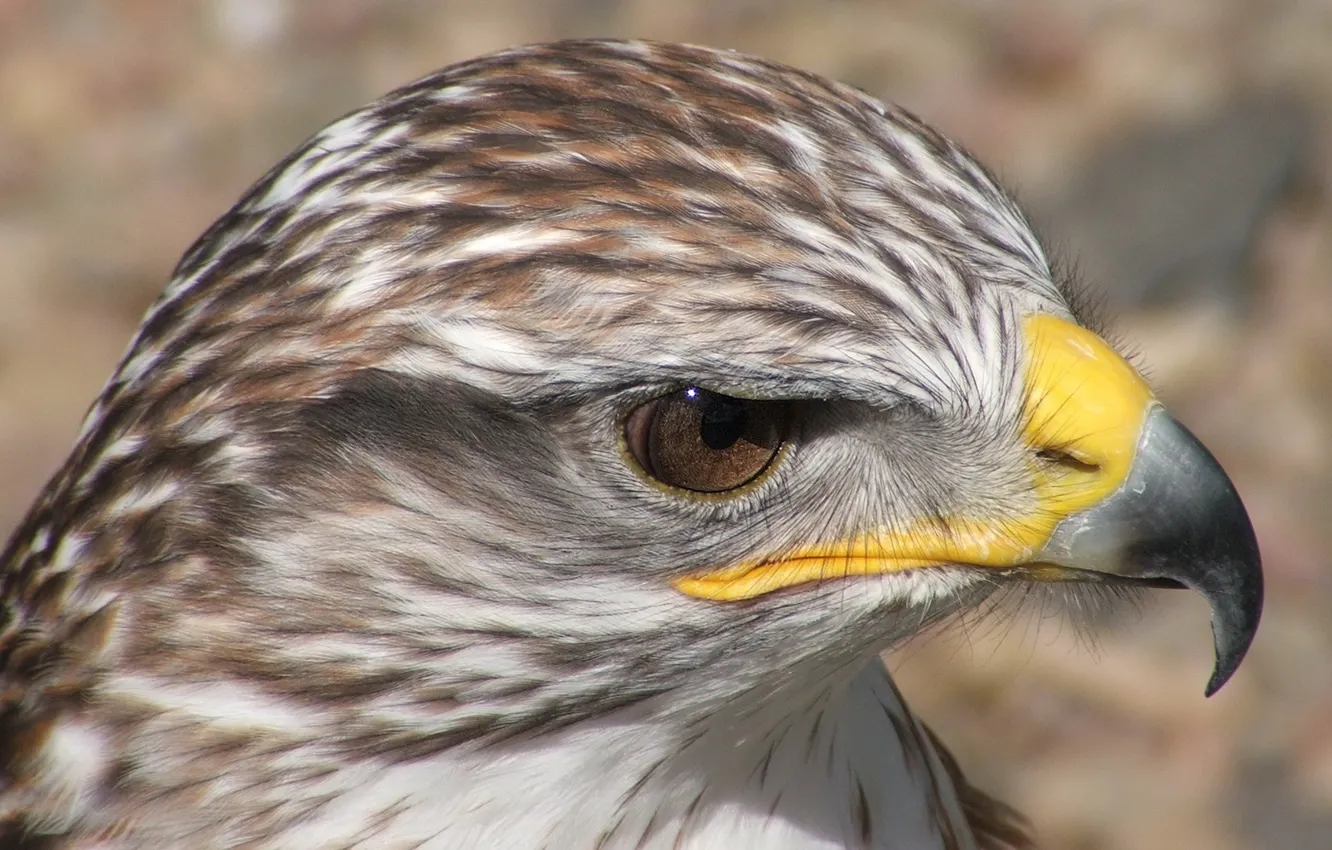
pixel 1179 154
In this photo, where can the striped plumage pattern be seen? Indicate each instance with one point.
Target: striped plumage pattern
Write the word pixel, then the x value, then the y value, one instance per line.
pixel 347 553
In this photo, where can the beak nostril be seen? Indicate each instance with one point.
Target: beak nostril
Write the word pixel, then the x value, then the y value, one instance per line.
pixel 1059 457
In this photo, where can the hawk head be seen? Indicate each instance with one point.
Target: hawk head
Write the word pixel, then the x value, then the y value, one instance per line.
pixel 543 454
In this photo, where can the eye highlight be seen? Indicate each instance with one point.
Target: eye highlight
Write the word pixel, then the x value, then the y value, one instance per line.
pixel 705 442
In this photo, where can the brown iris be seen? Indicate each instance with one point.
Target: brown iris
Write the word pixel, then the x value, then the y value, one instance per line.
pixel 704 441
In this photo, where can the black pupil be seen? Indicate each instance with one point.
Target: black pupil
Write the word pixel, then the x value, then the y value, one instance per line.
pixel 723 423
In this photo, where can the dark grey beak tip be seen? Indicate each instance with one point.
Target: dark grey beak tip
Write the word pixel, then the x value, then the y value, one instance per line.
pixel 1212 548
pixel 1236 598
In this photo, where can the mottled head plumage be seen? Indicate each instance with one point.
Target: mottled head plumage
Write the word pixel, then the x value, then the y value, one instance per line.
pixel 351 548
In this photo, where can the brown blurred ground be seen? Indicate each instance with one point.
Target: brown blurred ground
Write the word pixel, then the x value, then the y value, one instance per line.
pixel 126 127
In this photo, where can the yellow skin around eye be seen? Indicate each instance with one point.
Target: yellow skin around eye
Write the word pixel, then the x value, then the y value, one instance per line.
pixel 1082 400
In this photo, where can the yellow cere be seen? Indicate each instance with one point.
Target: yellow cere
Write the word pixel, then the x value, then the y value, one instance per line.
pixel 1082 400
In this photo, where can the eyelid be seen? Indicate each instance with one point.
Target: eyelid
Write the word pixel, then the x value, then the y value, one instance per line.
pixel 636 429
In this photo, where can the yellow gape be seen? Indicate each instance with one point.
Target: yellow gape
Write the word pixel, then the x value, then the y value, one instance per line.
pixel 1085 409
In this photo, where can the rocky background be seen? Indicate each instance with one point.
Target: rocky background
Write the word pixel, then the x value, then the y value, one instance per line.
pixel 1177 153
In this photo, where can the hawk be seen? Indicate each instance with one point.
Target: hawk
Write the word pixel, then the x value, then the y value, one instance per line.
pixel 543 455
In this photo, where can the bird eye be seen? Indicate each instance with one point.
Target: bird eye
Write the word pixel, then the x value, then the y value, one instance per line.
pixel 704 441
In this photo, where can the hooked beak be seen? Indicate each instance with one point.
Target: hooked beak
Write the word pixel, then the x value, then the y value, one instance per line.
pixel 1125 495
pixel 1175 519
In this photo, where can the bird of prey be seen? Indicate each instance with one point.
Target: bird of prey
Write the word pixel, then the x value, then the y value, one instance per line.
pixel 543 455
